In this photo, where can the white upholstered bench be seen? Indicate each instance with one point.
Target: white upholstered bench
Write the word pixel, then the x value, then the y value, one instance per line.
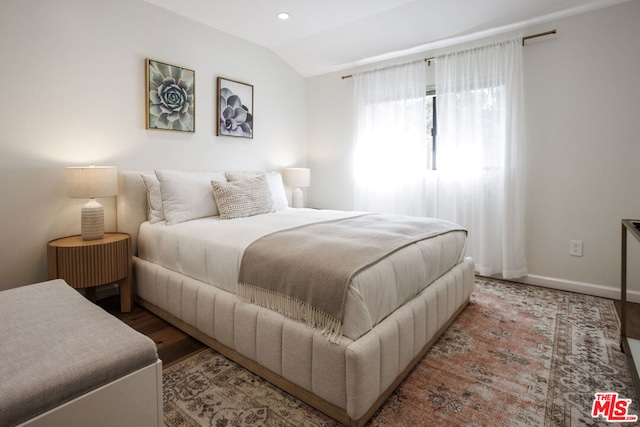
pixel 66 362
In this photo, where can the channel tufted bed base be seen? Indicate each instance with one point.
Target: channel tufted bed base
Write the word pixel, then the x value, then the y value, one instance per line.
pixel 347 381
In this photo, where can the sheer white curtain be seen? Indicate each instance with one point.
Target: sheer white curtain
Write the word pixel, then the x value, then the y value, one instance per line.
pixel 480 177
pixel 390 142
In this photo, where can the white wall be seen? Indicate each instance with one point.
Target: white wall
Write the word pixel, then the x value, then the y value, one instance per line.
pixel 583 147
pixel 72 85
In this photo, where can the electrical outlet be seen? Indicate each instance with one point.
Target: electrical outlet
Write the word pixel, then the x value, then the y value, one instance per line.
pixel 575 247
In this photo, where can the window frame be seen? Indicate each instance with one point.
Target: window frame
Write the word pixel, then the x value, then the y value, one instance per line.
pixel 430 94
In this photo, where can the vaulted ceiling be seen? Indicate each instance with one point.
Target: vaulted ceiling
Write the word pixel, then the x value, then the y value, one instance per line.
pixel 322 36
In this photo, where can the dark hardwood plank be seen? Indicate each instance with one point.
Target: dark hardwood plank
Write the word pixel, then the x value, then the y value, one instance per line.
pixel 173 344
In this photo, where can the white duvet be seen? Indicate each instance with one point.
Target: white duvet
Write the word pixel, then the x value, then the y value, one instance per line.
pixel 210 250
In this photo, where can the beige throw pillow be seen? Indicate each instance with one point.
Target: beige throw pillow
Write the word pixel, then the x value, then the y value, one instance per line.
pixel 239 199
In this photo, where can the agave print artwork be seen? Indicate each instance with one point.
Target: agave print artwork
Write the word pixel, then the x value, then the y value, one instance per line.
pixel 235 108
pixel 170 97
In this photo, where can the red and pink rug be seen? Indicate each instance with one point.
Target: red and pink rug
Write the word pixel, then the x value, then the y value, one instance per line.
pixel 517 355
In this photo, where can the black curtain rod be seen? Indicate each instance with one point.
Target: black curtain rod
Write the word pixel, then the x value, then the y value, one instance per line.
pixel 532 36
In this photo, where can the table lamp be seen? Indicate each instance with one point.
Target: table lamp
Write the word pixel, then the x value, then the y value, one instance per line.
pixel 91 182
pixel 297 177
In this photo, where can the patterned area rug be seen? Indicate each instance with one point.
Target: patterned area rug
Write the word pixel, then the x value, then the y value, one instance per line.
pixel 517 356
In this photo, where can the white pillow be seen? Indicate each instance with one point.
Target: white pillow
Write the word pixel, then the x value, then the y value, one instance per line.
pixel 274 181
pixel 154 198
pixel 187 195
pixel 241 175
pixel 240 199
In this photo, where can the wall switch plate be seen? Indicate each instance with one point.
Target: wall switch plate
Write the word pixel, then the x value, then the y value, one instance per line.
pixel 575 247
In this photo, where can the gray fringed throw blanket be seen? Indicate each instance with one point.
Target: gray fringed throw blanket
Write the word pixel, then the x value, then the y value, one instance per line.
pixel 305 272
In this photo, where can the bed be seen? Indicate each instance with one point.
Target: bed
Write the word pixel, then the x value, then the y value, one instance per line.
pixel 188 260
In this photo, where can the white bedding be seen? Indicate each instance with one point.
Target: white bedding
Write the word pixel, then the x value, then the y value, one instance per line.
pixel 210 250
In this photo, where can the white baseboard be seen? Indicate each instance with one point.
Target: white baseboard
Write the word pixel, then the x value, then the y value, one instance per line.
pixel 579 287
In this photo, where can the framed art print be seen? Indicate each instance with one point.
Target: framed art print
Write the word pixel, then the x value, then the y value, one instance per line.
pixel 235 108
pixel 171 99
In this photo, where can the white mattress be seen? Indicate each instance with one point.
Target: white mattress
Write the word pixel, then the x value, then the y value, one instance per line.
pixel 210 250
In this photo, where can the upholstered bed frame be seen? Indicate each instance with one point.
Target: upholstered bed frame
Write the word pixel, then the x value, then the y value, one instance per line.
pixel 347 381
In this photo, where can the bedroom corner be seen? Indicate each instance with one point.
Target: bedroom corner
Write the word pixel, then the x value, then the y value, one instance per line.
pixel 78 99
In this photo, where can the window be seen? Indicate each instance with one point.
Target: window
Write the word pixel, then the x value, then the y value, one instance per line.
pixel 432 129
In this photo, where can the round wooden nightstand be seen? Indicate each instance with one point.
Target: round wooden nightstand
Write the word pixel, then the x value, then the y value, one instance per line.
pixel 84 264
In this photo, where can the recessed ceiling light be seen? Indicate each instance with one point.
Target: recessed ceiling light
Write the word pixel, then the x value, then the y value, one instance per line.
pixel 283 15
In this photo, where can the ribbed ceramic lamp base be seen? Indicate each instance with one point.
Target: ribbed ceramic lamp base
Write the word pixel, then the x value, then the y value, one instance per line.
pixel 92 227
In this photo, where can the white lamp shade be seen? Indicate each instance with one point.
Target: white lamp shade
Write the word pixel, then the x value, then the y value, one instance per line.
pixel 89 182
pixel 297 177
pixel 92 181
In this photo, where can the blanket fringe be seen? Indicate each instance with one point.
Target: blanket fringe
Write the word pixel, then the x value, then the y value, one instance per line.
pixel 293 308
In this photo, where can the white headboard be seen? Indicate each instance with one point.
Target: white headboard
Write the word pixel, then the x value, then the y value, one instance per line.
pixel 132 204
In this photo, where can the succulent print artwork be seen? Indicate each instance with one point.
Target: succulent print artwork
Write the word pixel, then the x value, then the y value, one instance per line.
pixel 170 97
pixel 235 108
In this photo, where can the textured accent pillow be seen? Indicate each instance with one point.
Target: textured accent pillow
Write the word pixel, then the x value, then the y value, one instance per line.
pixel 154 198
pixel 274 181
pixel 240 199
pixel 187 195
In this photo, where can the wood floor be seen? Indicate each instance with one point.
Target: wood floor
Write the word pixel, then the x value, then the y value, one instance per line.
pixel 174 345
